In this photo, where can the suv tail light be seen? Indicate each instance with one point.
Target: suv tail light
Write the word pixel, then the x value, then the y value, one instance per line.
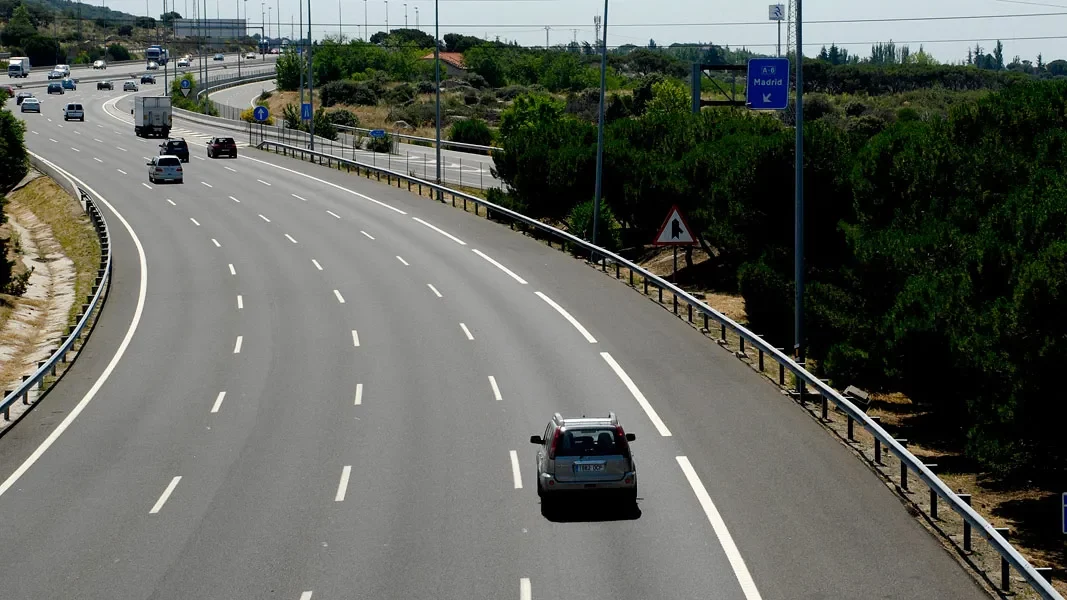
pixel 620 438
pixel 555 442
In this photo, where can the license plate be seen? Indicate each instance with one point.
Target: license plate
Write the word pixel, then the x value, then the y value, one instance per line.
pixel 588 467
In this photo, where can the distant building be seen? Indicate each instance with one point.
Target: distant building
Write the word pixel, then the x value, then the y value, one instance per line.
pixel 452 62
pixel 215 30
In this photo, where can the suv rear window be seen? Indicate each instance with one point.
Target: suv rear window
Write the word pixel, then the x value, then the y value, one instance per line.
pixel 74 107
pixel 223 140
pixel 591 441
pixel 168 160
pixel 176 145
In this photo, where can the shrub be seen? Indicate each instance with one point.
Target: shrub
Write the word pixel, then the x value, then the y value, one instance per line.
pixel 580 223
pixel 266 95
pixel 248 115
pixel 855 108
pixel 13 165
pixel 477 81
pixel 348 92
pixel 401 94
pixel 511 92
pixel 382 144
pixel 117 52
pixel 425 87
pixel 471 131
pixel 907 114
pixel 16 286
pixel 417 114
pixel 343 117
pixel 470 99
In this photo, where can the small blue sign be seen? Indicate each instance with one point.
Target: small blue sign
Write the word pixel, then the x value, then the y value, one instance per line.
pixel 260 113
pixel 186 84
pixel 768 83
pixel 377 133
pixel 305 111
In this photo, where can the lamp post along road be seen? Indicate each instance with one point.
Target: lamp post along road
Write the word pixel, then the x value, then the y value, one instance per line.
pixel 437 87
pixel 798 317
pixel 600 126
pixel 300 51
pixel 311 79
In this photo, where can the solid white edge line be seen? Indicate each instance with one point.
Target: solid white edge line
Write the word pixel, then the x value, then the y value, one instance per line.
pixel 567 315
pixel 218 402
pixel 233 271
pixel 498 265
pixel 166 494
pixel 355 338
pixel 340 298
pixel 434 290
pixel 240 302
pixel 441 231
pixel 516 476
pixel 359 394
pixel 525 591
pixel 342 486
pixel 366 234
pixel 402 261
pixel 496 389
pixel 323 181
pixel 316 263
pixel 737 563
pixel 138 311
pixel 237 346
pixel 305 595
pixel 291 239
pixel 630 385
pixel 466 332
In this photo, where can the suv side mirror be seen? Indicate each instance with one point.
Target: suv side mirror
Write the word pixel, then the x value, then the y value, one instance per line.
pixel 630 437
pixel 536 439
pixel 149 163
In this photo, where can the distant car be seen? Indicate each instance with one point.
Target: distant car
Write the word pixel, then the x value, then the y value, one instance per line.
pixel 31 104
pixel 65 69
pixel 183 62
pixel 148 78
pixel 250 55
pixel 105 85
pixel 21 97
pixel 165 168
pixel 54 74
pixel 8 91
pixel 221 146
pixel 219 57
pixel 129 86
pixel 55 88
pixel 73 111
pixel 153 65
pixel 69 84
pixel 584 455
pixel 175 147
pixel 99 64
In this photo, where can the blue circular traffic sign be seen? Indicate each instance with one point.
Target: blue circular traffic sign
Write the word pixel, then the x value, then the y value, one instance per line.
pixel 186 84
pixel 260 113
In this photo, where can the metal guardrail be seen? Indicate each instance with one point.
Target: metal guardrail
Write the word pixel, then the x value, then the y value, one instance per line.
pixel 1009 555
pixel 101 286
pixel 430 141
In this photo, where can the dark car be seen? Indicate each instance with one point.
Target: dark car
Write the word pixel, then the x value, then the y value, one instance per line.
pixel 55 88
pixel 148 78
pixel 175 147
pixel 22 96
pixel 105 85
pixel 221 146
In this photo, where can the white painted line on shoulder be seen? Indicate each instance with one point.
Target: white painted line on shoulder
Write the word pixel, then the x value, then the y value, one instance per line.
pixel 434 290
pixel 74 149
pixel 570 319
pixel 121 171
pixel 206 183
pixel 525 592
pixel 359 394
pixel 146 185
pixel 355 338
pixel 333 214
pixel 403 262
pixel 195 222
pixel 629 383
pixel 306 595
pixel 340 298
pixel 121 148
pixel 263 182
pixel 496 388
pixel 233 271
pixel 229 169
pixel 216 242
pixel 298 197
pixel 166 494
pixel 291 239
pixel 466 332
pixel 171 202
pixel 240 302
pixel 366 234
pixel 316 263
pixel 516 477
pixel 264 218
pixel 744 578
pixel 324 182
pixel 235 199
pixel 441 231
pixel 499 266
pixel 218 402
pixel 342 487
pixel 237 346
pixel 98 160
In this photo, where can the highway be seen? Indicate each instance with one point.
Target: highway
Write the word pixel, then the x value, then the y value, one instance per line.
pixel 86 73
pixel 306 385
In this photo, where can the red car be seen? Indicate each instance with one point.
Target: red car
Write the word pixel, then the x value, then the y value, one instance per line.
pixel 221 146
pixel 10 91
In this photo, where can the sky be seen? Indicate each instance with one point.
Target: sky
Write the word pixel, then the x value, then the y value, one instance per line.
pixel 737 23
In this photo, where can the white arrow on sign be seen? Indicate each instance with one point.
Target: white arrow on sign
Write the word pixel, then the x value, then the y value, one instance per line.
pixel 675 231
pixel 766 98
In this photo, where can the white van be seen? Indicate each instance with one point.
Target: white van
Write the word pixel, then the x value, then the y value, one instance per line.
pixel 73 111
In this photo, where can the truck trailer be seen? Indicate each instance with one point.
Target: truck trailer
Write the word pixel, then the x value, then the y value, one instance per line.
pixel 18 66
pixel 151 116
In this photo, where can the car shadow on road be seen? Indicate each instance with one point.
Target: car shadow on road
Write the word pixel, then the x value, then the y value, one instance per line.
pixel 582 512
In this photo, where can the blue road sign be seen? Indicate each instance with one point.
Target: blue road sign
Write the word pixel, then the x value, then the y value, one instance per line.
pixel 186 83
pixel 768 83
pixel 260 113
pixel 377 133
pixel 305 111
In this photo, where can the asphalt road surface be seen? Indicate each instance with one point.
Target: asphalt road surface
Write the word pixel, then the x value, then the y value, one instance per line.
pixel 293 393
pixel 39 73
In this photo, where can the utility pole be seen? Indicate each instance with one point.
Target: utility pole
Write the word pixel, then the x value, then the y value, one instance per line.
pixel 798 333
pixel 600 126
pixel 339 34
pixel 437 86
pixel 546 36
pixel 386 17
pixel 311 79
pixel 405 15
pixel 300 51
pixel 417 17
pixel 366 31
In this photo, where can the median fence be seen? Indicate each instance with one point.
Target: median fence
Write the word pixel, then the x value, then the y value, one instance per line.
pixel 804 386
pixel 34 386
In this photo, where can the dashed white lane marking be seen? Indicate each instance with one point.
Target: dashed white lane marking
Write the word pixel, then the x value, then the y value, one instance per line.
pixel 340 298
pixel 316 263
pixel 77 133
pixel 333 214
pixel 496 388
pixel 195 222
pixel 218 402
pixel 59 124
pixel 355 338
pixel 298 197
pixel 359 394
pixel 434 290
pixel 216 242
pixel 366 234
pixel 74 149
pixel 403 262
pixel 240 302
pixel 233 271
pixel 629 383
pixel 206 183
pixel 121 171
pixel 516 477
pixel 171 202
pixel 235 199
pixel 441 231
pixel 146 185
pixel 98 160
pixel 499 266
pixel 342 486
pixel 466 332
pixel 53 141
pixel 237 346
pixel 567 315
pixel 264 218
pixel 291 239
pixel 525 591
pixel 34 133
pixel 166 494
pixel 198 157
pixel 744 578
pixel 229 169
pixel 305 595
pixel 263 182
pixel 121 148
pixel 98 140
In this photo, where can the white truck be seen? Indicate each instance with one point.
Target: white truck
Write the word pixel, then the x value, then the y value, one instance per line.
pixel 151 116
pixel 18 66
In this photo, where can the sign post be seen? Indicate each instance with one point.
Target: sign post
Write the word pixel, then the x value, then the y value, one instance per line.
pixel 768 83
pixel 777 13
pixel 675 232
pixel 186 87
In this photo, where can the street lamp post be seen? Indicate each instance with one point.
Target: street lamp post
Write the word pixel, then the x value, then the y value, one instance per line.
pixel 437 87
pixel 386 17
pixel 798 258
pixel 311 79
pixel 366 26
pixel 416 17
pixel 600 126
pixel 405 15
pixel 339 34
pixel 300 51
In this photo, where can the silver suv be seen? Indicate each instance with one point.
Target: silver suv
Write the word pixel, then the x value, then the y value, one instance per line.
pixel 585 454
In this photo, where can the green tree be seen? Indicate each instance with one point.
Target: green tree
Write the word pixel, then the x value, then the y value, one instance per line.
pixel 998 57
pixel 117 52
pixel 486 61
pixel 13 157
pixel 287 68
pixel 669 97
pixel 19 29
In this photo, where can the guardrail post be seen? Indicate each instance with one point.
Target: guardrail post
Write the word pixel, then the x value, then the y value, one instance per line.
pixel 1005 571
pixel 761 360
pixel 631 270
pixel 690 308
pixel 781 371
pixel 966 524
pixel 617 275
pixel 674 300
pixel 933 494
pixel 645 279
pixel 877 443
pixel 825 410
pixel 722 333
pixel 660 294
pixel 851 428
pixel 903 467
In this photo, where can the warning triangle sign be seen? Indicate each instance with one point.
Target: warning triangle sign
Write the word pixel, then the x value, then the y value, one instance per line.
pixel 675 231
